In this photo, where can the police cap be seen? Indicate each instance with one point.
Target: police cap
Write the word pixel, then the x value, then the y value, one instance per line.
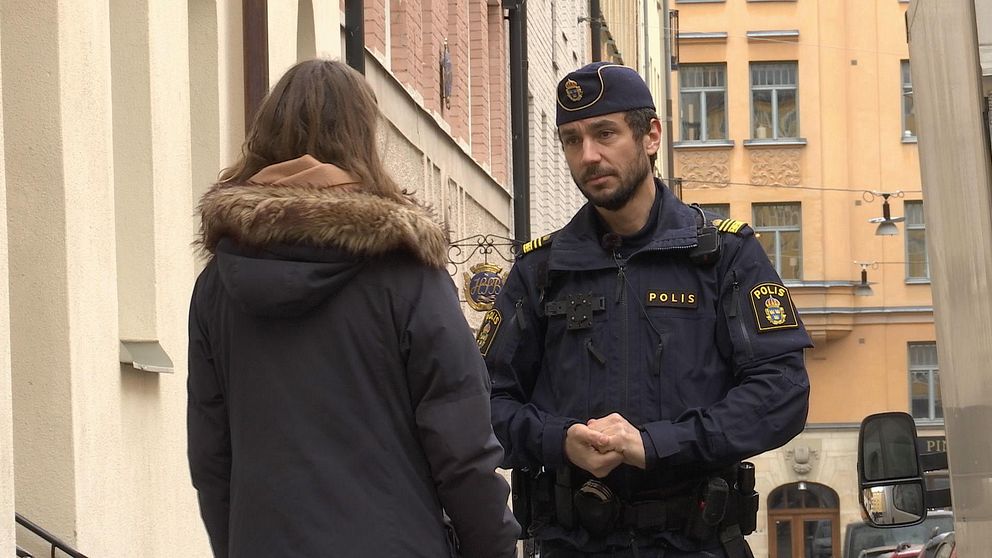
pixel 600 88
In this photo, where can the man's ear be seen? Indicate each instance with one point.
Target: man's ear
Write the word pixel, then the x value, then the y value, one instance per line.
pixel 652 139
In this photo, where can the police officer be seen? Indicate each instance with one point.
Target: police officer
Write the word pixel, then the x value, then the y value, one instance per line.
pixel 639 353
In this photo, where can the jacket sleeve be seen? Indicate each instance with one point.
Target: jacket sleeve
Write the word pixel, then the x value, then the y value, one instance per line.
pixel 450 392
pixel 208 431
pixel 513 351
pixel 768 401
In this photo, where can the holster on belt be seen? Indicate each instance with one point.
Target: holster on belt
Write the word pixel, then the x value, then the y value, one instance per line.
pixel 742 514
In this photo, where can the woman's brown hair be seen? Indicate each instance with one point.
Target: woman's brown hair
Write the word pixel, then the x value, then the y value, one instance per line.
pixel 325 109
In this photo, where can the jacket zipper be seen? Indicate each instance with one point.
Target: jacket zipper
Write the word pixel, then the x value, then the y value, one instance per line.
pixel 622 300
pixel 734 308
pixel 658 354
pixel 519 311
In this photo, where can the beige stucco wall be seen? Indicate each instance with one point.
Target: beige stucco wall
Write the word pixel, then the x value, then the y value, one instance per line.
pixel 124 115
pixel 6 412
pixel 44 483
pixel 100 457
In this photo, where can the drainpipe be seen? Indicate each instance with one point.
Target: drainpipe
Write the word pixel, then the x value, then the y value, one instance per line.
pixel 354 34
pixel 519 125
pixel 669 37
pixel 596 30
pixel 255 35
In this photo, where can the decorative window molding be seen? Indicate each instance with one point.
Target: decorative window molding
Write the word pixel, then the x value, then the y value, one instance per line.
pixel 704 168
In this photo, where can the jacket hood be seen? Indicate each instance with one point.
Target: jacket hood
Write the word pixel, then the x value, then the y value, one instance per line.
pixel 304 201
pixel 297 231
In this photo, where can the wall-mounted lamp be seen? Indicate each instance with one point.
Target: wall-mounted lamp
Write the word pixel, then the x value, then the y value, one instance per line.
pixel 886 223
pixel 864 287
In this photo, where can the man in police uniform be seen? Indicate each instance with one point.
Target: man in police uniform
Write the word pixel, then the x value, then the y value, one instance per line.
pixel 640 353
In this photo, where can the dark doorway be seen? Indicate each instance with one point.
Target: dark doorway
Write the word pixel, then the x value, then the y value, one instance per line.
pixel 803 521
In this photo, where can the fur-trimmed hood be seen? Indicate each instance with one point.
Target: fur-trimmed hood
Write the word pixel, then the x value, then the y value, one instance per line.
pixel 311 203
pixel 299 231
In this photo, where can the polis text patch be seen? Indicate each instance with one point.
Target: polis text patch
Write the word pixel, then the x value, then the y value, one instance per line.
pixel 678 299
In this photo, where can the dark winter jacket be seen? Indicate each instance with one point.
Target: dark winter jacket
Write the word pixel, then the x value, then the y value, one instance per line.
pixel 337 401
pixel 706 360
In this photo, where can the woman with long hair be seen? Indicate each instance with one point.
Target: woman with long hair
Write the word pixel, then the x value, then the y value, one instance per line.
pixel 338 405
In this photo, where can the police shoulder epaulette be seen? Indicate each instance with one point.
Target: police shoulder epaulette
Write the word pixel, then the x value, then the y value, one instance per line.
pixel 732 226
pixel 535 244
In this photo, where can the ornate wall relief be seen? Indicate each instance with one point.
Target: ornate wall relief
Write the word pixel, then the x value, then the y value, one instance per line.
pixel 803 456
pixel 704 169
pixel 776 166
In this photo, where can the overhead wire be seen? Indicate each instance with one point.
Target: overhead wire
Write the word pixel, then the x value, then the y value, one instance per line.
pixel 800 187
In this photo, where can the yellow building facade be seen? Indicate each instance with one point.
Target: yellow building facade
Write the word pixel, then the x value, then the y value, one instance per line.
pixel 796 117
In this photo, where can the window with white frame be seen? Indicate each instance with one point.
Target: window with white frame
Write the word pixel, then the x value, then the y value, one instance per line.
pixel 917 262
pixel 924 382
pixel 703 102
pixel 720 209
pixel 779 229
pixel 774 100
pixel 908 116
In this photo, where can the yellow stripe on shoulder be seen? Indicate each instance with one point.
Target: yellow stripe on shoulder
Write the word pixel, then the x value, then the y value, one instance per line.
pixel 732 226
pixel 536 243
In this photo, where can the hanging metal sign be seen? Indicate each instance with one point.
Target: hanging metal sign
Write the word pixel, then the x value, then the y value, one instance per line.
pixel 483 285
pixel 483 282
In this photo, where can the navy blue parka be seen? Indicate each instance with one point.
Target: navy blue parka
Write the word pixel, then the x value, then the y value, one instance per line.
pixel 706 360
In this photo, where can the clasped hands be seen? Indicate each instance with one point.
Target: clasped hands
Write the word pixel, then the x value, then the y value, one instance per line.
pixel 600 445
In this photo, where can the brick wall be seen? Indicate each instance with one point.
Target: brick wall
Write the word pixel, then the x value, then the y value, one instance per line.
pixel 434 19
pixel 499 102
pixel 479 81
pixel 375 26
pixel 475 31
pixel 458 44
pixel 406 32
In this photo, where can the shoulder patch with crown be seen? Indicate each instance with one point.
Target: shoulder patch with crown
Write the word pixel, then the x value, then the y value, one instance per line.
pixel 773 309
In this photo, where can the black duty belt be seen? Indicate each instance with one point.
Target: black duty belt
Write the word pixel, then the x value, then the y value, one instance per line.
pixel 670 514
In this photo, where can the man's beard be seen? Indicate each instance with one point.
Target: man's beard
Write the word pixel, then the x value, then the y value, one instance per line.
pixel 630 178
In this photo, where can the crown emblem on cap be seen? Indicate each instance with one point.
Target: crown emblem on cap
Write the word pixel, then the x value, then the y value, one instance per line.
pixel 573 91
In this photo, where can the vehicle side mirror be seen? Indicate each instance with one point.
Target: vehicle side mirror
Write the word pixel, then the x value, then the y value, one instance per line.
pixel 892 488
pixel 894 504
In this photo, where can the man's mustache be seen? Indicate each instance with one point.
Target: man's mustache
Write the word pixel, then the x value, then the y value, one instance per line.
pixel 596 172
